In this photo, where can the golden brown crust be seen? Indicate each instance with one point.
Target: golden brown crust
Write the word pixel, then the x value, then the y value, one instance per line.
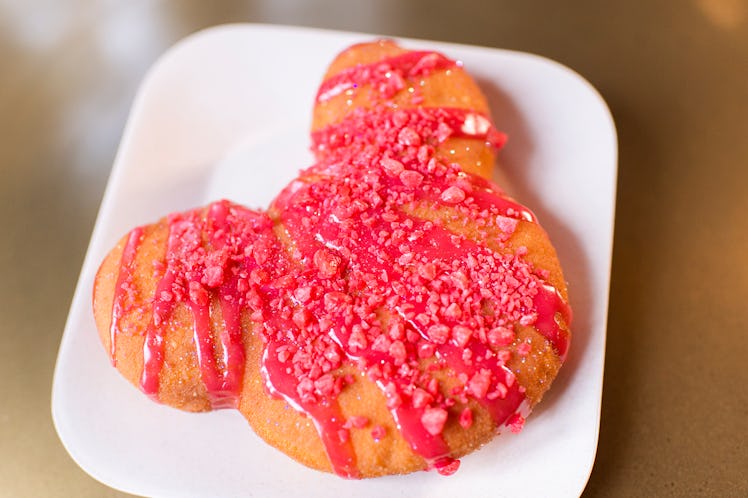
pixel 273 419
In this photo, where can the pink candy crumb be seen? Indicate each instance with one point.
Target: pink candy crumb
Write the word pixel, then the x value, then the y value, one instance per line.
pixel 433 420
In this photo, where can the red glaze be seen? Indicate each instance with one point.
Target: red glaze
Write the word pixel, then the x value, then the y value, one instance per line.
pixel 387 76
pixel 436 123
pixel 123 288
pixel 153 347
pixel 547 303
pixel 324 412
pixel 451 302
pixel 204 253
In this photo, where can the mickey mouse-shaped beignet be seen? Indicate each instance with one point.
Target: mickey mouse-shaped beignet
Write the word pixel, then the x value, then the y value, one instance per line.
pixel 391 311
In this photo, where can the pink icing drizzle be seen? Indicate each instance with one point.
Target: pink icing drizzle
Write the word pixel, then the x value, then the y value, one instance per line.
pixel 387 75
pixel 122 286
pixel 357 251
pixel 192 271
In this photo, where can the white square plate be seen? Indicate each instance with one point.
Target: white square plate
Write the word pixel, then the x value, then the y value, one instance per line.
pixel 224 114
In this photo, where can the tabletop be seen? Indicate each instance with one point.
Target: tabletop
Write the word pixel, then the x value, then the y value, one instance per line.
pixel 674 74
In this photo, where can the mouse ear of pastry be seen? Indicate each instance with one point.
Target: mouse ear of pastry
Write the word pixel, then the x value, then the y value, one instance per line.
pixel 168 301
pixel 381 73
pixel 124 304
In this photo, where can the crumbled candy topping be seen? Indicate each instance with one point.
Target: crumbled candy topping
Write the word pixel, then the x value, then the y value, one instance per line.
pixel 366 282
pixel 385 77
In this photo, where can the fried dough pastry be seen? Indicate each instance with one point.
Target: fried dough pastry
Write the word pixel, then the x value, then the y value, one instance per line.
pixel 390 312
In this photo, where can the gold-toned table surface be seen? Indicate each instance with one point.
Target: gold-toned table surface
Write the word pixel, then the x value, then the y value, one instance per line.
pixel 675 76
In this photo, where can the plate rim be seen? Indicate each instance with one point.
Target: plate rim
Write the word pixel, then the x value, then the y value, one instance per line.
pixel 118 170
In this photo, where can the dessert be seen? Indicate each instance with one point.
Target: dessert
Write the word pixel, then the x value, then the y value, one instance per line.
pixel 390 311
